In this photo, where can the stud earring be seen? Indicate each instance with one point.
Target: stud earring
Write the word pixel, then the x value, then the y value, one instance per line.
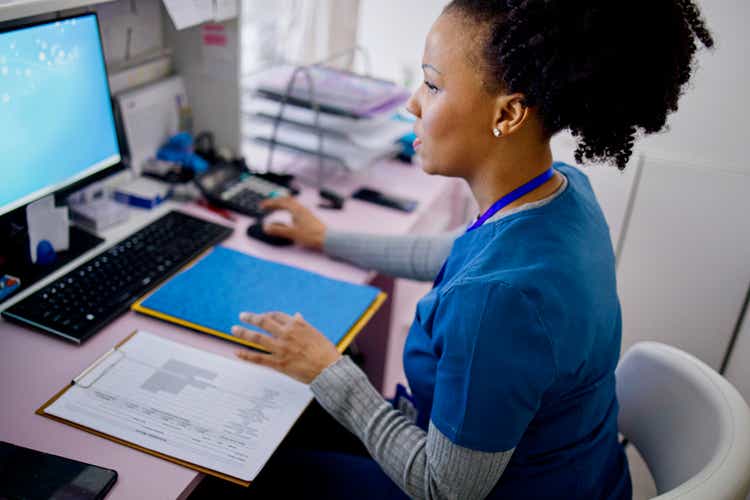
pixel 496 132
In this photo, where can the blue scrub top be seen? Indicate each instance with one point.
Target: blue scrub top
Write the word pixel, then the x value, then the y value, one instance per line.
pixel 517 345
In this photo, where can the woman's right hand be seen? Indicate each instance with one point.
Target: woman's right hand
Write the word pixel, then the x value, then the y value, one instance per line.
pixel 306 229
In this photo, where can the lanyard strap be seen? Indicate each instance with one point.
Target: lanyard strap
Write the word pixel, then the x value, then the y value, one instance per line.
pixel 513 196
pixel 502 203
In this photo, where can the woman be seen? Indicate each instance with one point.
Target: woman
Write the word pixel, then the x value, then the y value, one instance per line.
pixel 511 356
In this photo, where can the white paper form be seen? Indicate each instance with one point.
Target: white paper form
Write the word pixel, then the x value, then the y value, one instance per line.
pixel 222 414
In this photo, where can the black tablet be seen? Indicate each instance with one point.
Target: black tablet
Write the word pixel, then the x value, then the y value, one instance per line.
pixel 31 474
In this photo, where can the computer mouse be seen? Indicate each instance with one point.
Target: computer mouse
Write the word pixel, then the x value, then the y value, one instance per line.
pixel 256 231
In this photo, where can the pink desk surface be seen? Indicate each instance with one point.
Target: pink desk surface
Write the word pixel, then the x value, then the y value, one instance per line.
pixel 33 366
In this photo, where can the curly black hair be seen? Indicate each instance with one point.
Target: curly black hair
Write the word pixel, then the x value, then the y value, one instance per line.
pixel 605 69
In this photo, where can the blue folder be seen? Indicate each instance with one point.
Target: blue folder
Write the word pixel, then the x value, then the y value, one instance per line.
pixel 210 295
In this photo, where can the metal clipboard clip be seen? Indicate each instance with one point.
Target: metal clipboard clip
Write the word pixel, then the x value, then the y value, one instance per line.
pixel 95 364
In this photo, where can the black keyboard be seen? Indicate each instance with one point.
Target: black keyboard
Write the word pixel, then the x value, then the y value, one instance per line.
pixel 86 299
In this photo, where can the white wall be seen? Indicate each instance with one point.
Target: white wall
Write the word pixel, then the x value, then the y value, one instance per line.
pixel 684 271
pixel 711 126
pixel 393 32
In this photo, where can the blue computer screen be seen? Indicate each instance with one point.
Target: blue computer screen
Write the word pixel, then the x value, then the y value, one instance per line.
pixel 56 123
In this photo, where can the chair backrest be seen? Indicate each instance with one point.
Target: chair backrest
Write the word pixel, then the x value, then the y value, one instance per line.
pixel 690 425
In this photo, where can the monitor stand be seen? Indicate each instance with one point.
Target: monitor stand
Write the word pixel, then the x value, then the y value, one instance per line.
pixel 16 261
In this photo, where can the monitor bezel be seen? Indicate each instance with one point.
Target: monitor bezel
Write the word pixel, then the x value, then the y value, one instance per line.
pixel 66 188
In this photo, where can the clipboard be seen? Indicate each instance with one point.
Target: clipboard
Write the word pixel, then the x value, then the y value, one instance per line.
pixel 42 411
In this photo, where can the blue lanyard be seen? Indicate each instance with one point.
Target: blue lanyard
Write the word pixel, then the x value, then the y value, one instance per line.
pixel 503 202
pixel 513 196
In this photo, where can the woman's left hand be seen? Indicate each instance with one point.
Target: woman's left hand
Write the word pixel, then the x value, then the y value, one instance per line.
pixel 296 348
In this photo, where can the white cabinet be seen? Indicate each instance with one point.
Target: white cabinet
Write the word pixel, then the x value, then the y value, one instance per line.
pixel 684 270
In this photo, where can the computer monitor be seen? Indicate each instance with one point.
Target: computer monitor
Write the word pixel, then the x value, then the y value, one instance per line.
pixel 57 126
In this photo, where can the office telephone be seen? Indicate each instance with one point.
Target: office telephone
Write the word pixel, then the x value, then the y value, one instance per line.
pixel 233 186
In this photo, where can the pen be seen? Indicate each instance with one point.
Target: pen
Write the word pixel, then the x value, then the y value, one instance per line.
pixel 220 211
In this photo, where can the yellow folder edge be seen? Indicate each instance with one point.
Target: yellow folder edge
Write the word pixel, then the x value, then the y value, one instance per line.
pixel 42 411
pixel 341 346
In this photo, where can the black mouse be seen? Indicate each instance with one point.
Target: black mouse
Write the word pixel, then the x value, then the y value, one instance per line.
pixel 256 231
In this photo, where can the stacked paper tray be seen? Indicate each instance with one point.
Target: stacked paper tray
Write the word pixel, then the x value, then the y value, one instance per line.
pixel 336 92
pixel 355 119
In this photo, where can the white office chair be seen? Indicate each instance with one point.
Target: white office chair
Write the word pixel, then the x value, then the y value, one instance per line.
pixel 689 424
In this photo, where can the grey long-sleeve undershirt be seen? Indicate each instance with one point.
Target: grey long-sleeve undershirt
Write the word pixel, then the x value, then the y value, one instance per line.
pixel 411 257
